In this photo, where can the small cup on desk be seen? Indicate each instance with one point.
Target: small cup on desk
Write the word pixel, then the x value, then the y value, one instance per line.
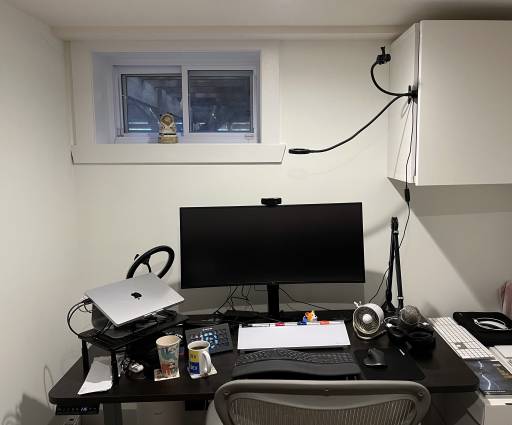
pixel 169 353
pixel 199 360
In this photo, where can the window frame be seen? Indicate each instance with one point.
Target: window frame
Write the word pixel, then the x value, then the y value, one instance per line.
pixel 231 137
pixel 188 137
pixel 93 136
pixel 118 70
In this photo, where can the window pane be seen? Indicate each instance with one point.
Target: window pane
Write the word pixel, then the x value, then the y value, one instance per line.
pixel 145 97
pixel 220 101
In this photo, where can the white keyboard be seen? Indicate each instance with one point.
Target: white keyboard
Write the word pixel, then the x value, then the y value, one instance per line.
pixel 459 339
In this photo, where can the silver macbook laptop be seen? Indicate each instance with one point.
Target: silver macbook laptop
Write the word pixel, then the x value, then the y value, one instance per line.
pixel 128 300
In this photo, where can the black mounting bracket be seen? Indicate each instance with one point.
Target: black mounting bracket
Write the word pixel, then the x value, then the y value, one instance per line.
pixel 383 57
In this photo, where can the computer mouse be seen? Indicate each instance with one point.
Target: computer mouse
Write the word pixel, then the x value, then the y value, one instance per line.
pixel 375 358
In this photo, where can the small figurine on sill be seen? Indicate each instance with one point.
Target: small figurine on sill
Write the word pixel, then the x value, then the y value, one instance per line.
pixel 167 132
pixel 310 316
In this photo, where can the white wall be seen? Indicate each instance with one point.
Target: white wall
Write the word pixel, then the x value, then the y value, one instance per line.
pixel 326 94
pixel 458 253
pixel 37 219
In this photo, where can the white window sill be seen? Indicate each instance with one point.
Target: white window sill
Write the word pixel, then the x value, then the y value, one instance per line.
pixel 255 153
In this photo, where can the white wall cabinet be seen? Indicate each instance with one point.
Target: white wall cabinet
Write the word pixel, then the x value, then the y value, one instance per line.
pixel 461 123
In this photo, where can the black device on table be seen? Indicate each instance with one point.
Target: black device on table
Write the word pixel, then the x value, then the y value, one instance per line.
pixel 134 344
pixel 375 358
pixel 490 328
pixel 281 363
pixel 219 337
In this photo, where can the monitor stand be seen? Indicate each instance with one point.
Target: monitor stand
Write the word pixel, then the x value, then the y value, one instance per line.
pixel 273 300
pixel 272 312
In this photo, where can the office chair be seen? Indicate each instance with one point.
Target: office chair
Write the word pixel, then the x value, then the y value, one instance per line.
pixel 285 402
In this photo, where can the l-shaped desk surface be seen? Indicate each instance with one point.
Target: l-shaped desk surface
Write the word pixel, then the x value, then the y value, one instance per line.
pixel 444 372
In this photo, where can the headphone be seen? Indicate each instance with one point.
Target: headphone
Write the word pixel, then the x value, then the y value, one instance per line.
pixel 419 335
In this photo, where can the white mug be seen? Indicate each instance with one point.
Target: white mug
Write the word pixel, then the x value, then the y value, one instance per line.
pixel 199 360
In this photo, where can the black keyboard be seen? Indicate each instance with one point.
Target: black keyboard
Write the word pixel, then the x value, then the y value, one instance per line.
pixel 291 364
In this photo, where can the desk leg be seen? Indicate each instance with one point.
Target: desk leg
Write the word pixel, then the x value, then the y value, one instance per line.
pixel 113 365
pixel 112 414
pixel 85 358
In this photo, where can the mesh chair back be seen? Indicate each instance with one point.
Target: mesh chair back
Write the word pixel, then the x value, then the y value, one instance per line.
pixel 276 402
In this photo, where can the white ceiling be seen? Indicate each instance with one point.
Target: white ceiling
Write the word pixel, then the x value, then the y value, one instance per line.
pixel 124 13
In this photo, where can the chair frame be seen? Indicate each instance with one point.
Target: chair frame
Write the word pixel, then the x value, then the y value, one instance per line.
pixel 356 393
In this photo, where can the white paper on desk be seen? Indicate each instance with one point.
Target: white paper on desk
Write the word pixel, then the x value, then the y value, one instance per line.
pixel 292 336
pixel 99 377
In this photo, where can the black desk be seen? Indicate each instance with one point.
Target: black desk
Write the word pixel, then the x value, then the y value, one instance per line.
pixel 444 372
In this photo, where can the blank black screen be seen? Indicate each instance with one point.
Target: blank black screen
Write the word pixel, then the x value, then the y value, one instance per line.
pixel 223 246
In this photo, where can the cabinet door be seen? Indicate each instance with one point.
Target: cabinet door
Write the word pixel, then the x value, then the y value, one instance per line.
pixel 465 103
pixel 403 72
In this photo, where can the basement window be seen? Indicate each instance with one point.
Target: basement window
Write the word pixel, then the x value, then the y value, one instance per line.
pixel 216 97
pixel 219 104
pixel 211 103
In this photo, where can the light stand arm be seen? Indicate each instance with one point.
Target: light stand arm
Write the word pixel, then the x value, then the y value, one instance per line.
pixel 400 294
pixel 394 261
pixel 388 307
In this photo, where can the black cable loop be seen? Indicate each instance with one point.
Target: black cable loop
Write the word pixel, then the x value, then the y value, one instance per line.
pixel 411 93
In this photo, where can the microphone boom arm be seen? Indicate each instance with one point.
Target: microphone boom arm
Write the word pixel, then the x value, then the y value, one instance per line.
pixel 394 260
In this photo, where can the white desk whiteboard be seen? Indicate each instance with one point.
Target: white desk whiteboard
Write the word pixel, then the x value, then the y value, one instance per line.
pixel 267 335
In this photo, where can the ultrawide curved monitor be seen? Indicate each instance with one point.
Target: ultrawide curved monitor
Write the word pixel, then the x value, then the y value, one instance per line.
pixel 257 245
